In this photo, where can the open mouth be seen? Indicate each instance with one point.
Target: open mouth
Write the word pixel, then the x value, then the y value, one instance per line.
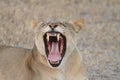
pixel 55 47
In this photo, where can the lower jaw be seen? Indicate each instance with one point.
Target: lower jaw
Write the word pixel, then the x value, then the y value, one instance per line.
pixel 55 64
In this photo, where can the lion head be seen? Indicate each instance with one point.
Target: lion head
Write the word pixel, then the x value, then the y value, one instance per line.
pixel 56 40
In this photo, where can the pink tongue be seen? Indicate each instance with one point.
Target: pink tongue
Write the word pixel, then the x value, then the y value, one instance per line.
pixel 54 54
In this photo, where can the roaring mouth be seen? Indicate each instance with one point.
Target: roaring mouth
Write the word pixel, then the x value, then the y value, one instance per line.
pixel 55 47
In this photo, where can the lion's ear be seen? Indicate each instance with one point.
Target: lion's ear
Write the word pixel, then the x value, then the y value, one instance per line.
pixel 78 25
pixel 35 25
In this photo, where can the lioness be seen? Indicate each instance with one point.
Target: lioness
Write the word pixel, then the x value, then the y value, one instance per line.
pixel 53 57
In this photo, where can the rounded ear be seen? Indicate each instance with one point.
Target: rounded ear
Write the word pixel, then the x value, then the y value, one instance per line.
pixel 78 25
pixel 35 25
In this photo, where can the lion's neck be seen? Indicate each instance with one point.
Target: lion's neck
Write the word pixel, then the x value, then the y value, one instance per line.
pixel 38 64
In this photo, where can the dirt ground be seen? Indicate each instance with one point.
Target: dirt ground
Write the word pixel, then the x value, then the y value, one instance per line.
pixel 99 41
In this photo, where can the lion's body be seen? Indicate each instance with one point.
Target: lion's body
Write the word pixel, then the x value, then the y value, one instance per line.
pixel 12 63
pixel 24 64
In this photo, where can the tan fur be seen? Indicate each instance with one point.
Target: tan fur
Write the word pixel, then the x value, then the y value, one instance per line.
pixel 24 64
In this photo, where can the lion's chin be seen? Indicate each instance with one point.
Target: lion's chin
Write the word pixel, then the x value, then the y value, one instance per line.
pixel 55 47
pixel 55 63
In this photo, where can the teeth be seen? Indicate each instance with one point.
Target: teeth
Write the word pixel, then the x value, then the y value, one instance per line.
pixel 53 34
pixel 48 35
pixel 54 62
pixel 58 37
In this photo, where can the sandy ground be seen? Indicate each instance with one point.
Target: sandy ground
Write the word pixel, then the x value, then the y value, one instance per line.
pixel 99 41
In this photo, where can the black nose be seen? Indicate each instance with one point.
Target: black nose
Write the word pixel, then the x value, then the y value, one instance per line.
pixel 52 26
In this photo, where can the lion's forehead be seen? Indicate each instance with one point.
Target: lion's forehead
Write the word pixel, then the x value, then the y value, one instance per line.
pixel 60 24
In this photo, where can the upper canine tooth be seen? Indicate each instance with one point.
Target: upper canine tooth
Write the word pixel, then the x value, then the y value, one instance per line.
pixel 58 37
pixel 48 35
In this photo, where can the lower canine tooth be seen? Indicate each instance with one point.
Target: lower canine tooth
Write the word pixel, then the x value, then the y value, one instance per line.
pixel 48 36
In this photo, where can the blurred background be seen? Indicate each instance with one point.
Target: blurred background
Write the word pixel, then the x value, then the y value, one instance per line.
pixel 98 41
